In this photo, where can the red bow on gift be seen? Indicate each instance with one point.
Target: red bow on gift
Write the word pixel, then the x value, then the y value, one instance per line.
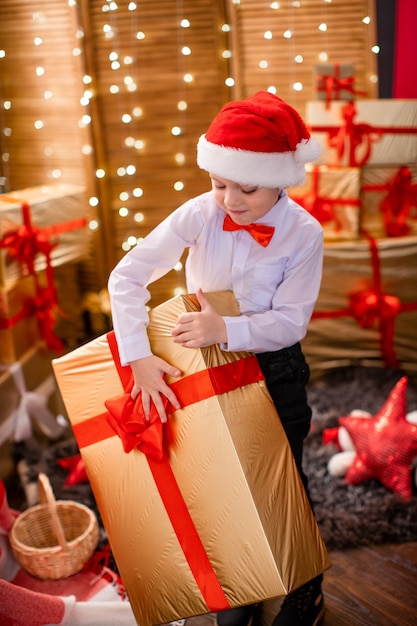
pixel 397 204
pixel 333 85
pixel 27 241
pixel 353 136
pixel 127 418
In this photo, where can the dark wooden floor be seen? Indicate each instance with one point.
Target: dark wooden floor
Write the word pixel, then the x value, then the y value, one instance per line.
pixel 371 586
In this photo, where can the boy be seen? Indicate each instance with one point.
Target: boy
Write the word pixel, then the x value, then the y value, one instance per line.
pixel 247 236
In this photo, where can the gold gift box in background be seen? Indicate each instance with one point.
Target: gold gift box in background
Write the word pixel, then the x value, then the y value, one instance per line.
pixel 335 191
pixel 334 341
pixel 52 204
pixel 19 329
pixel 375 186
pixel 234 468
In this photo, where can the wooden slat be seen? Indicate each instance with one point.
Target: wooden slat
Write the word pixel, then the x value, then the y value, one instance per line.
pixel 157 69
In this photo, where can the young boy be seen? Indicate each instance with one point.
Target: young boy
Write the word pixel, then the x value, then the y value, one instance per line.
pixel 244 235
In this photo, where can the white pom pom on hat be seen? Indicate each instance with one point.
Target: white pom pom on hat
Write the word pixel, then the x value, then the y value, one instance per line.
pixel 260 141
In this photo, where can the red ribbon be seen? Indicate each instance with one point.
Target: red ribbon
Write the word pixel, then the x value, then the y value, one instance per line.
pixel 370 306
pixel 332 85
pixel 398 203
pixel 24 244
pixel 349 137
pixel 126 419
pixel 322 207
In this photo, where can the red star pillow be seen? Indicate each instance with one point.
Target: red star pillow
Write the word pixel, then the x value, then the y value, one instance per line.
pixel 385 444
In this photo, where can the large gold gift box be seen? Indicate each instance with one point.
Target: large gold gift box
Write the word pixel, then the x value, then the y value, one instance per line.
pixel 59 210
pixel 223 520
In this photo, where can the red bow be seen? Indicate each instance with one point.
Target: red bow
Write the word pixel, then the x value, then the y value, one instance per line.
pixel 127 418
pixel 260 232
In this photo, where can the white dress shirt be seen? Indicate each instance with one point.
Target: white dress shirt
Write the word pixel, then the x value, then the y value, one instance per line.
pixel 276 287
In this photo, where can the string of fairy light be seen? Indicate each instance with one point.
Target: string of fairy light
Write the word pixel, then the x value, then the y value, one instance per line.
pixel 127 95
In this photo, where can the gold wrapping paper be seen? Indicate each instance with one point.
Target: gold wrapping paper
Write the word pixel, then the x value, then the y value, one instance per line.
pixel 389 149
pixel 18 331
pixel 336 191
pixel 51 204
pixel 233 465
pixel 341 341
pixel 374 180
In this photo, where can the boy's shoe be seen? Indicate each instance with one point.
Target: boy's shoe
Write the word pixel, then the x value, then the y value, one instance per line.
pixel 238 616
pixel 303 607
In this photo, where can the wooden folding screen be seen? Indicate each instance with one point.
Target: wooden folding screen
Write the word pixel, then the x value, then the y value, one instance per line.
pixel 116 75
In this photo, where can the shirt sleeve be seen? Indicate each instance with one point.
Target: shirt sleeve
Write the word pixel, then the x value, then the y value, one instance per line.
pixel 152 258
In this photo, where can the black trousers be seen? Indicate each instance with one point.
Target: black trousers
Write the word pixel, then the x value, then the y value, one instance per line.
pixel 286 375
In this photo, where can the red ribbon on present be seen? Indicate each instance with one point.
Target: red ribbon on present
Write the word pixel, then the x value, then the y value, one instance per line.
pixel 373 306
pixel 322 207
pixel 332 85
pixel 348 138
pixel 125 418
pixel 24 244
pixel 398 203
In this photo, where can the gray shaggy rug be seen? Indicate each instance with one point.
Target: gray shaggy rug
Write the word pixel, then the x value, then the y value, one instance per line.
pixel 348 516
pixel 354 515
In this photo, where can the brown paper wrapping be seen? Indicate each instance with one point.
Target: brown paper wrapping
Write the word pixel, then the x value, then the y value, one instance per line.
pixel 233 465
pixel 389 149
pixel 334 184
pixel 374 180
pixel 338 71
pixel 335 342
pixel 51 204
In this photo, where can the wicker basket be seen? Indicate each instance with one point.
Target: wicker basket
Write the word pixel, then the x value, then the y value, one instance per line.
pixel 54 539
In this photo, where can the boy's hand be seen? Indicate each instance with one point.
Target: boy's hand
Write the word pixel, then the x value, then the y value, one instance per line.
pixel 200 329
pixel 148 374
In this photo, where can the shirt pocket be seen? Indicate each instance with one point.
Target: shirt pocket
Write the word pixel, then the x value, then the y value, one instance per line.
pixel 266 280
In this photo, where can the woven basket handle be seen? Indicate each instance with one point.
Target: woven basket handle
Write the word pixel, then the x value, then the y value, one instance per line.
pixel 46 496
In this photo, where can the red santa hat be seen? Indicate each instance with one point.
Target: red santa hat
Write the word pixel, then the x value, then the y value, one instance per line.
pixel 260 141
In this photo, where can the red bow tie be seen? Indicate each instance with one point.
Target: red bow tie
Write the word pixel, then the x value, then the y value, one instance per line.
pixel 261 233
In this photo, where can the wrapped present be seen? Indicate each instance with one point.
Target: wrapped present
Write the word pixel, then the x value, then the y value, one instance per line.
pixel 366 312
pixel 19 328
pixel 207 511
pixel 41 225
pixel 374 132
pixel 32 311
pixel 30 404
pixel 335 81
pixel 332 196
pixel 389 200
